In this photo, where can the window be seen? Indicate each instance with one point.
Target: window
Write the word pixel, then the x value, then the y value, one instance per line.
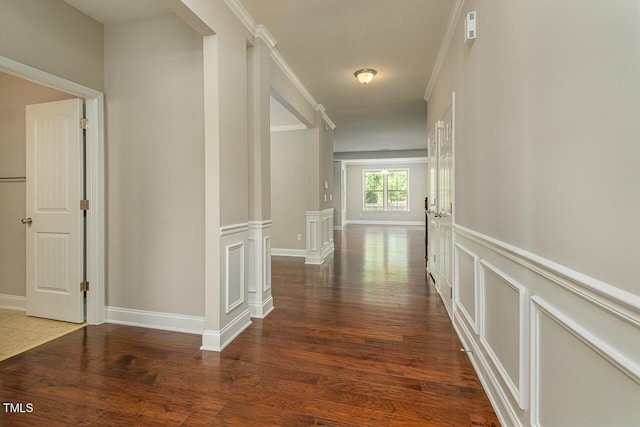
pixel 386 190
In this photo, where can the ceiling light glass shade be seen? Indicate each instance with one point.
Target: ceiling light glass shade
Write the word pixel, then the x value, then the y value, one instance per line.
pixel 365 75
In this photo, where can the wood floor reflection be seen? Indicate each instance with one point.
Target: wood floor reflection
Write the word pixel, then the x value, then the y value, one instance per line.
pixel 361 340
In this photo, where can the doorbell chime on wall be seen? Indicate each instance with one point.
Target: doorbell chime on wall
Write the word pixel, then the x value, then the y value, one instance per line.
pixel 470 30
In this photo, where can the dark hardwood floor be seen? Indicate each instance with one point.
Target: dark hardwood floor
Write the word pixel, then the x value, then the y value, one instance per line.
pixel 361 340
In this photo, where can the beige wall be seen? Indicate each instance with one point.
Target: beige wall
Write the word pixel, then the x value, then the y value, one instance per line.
pixel 326 166
pixel 155 167
pixel 337 193
pixel 548 102
pixel 547 107
pixel 288 188
pixel 52 36
pixel 417 192
pixel 259 60
pixel 15 95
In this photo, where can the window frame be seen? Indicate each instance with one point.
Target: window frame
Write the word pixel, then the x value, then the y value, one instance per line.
pixel 385 190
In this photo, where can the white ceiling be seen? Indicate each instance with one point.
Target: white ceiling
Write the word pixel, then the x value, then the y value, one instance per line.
pixel 325 41
pixel 110 12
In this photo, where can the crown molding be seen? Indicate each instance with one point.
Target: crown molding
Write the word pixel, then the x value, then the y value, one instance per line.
pixel 262 32
pixel 444 46
pixel 242 14
pixel 291 75
pixel 325 117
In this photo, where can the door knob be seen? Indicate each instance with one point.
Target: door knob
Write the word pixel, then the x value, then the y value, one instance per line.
pixel 26 220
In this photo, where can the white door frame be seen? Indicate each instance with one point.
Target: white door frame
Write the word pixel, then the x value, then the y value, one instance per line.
pixel 94 106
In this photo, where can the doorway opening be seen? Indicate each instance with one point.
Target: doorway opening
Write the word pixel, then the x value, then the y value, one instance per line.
pixel 93 275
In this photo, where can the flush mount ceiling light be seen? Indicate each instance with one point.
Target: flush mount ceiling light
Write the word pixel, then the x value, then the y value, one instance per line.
pixel 365 75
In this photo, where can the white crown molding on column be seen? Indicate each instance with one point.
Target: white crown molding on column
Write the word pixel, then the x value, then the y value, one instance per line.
pixel 261 31
pixel 242 14
pixel 326 118
pixel 444 46
pixel 291 75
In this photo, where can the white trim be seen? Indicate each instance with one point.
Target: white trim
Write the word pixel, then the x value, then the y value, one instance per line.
pixel 319 228
pixel 291 75
pixel 325 117
pixel 94 102
pixel 226 230
pixel 519 392
pixel 266 263
pixel 260 224
pixel 444 47
pixel 214 340
pixel 13 302
pixel 395 161
pixel 618 302
pixel 263 33
pixel 243 15
pixel 610 354
pixel 288 252
pixel 260 311
pixel 287 128
pixel 381 222
pixel 337 228
pixel 453 162
pixel 227 283
pixel 35 75
pixel 494 392
pixel 474 321
pixel 155 320
pixel 321 259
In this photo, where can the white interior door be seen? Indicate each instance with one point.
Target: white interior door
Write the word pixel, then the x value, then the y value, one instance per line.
pixel 445 206
pixel 432 209
pixel 54 220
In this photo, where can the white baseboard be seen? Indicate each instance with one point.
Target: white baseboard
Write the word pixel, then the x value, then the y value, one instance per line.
pixel 486 376
pixel 156 320
pixel 260 311
pixel 13 302
pixel 326 253
pixel 217 340
pixel 288 252
pixel 381 222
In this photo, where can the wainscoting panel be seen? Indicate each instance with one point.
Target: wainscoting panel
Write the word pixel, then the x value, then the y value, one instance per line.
pixel 260 300
pixel 266 263
pixel 503 333
pixel 578 380
pixel 234 276
pixel 552 346
pixel 252 274
pixel 466 285
pixel 319 236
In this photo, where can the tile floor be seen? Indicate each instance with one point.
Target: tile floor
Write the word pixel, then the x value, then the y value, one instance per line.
pixel 19 332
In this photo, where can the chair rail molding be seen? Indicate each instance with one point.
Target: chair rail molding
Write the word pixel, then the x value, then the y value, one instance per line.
pixel 538 325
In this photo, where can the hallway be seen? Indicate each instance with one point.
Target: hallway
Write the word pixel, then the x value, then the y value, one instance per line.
pixel 361 340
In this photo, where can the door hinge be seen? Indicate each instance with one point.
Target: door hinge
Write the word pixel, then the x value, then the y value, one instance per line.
pixel 84 205
pixel 451 292
pixel 84 123
pixel 84 286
